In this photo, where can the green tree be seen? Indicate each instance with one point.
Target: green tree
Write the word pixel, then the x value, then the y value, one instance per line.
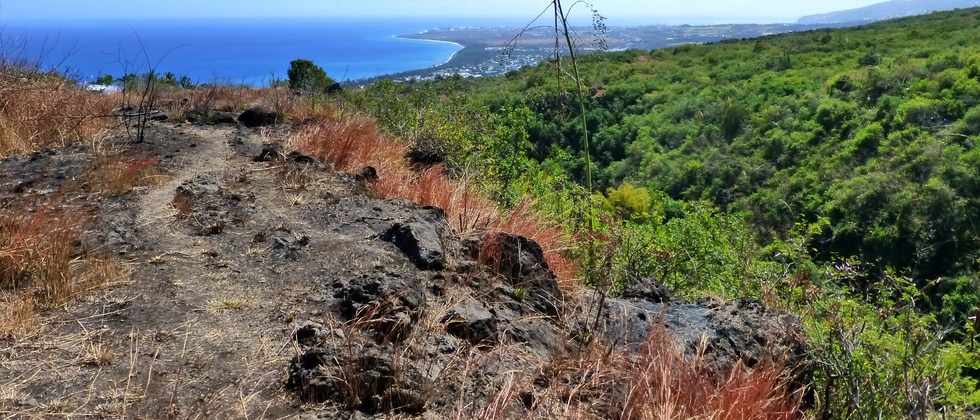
pixel 105 80
pixel 309 78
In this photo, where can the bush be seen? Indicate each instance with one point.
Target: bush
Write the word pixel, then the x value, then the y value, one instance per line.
pixel 309 78
pixel 971 122
pixel 632 203
pixel 921 111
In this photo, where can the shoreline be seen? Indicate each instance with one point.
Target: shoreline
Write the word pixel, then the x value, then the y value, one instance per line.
pixel 465 54
pixel 452 57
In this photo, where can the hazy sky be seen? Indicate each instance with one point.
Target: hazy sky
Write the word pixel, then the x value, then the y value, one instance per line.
pixel 739 10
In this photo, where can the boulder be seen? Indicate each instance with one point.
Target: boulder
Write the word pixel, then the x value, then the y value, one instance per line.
pixel 367 381
pixel 392 304
pixel 297 157
pixel 259 116
pixel 744 330
pixel 522 264
pixel 421 242
pixel 367 174
pixel 472 322
pixel 647 289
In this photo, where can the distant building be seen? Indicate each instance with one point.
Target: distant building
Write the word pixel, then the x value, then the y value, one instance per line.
pixel 104 89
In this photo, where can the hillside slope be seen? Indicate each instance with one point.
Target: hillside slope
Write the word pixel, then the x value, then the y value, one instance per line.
pixel 887 10
pixel 252 282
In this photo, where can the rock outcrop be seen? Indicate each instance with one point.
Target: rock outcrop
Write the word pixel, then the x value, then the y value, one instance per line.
pixel 259 116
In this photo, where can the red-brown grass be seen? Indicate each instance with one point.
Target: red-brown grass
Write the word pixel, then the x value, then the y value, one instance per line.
pixel 353 143
pixel 117 175
pixel 40 110
pixel 660 382
pixel 664 384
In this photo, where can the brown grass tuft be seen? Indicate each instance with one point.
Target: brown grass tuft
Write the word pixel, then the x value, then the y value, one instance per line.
pixel 39 268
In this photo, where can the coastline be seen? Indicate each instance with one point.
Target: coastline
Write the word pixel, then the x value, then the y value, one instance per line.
pixel 460 47
pixel 466 54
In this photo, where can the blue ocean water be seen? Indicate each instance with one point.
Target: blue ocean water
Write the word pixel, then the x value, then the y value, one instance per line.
pixel 250 51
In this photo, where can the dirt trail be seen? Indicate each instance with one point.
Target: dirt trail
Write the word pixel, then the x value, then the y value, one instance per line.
pixel 212 155
pixel 201 327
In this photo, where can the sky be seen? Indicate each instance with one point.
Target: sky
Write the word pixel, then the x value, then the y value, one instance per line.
pixel 615 10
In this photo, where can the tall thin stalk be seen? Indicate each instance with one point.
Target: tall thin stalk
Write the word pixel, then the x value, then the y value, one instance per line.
pixel 563 17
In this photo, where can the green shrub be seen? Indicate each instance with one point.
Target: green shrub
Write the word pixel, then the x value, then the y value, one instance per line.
pixel 971 122
pixel 922 112
pixel 633 203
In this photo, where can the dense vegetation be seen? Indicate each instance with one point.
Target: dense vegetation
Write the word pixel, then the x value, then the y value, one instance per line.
pixel 833 173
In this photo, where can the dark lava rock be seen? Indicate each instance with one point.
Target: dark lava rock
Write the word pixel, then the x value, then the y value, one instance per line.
pixel 368 381
pixel 220 117
pixel 521 261
pixel 207 207
pixel 211 117
pixel 270 152
pixel 367 174
pixel 309 334
pixel 472 322
pixel 287 245
pixel 297 157
pixel 421 242
pixel 259 117
pixel 427 152
pixel 648 290
pixel 391 304
pixel 736 331
pixel 157 116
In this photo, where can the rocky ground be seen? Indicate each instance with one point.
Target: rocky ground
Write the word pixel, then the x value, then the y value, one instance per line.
pixel 262 284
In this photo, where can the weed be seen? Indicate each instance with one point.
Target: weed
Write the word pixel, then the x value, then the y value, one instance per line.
pixel 228 304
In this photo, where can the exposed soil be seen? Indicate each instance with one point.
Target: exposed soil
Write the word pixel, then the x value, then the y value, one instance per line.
pixel 265 285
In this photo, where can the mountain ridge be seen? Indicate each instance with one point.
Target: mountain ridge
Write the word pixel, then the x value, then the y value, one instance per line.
pixel 887 10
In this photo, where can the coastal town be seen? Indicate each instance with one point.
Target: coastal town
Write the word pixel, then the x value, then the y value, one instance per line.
pixel 491 52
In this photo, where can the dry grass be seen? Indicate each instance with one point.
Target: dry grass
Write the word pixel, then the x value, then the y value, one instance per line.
pixel 661 383
pixel 657 383
pixel 39 110
pixel 116 175
pixel 180 102
pixel 666 385
pixel 223 304
pixel 352 143
pixel 98 354
pixel 39 267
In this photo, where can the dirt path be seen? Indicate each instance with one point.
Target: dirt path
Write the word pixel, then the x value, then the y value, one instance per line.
pixel 195 333
pixel 211 155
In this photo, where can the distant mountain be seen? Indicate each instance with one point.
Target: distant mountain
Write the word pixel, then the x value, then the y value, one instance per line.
pixel 888 10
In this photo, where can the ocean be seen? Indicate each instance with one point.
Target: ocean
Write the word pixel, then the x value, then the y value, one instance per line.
pixel 248 51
